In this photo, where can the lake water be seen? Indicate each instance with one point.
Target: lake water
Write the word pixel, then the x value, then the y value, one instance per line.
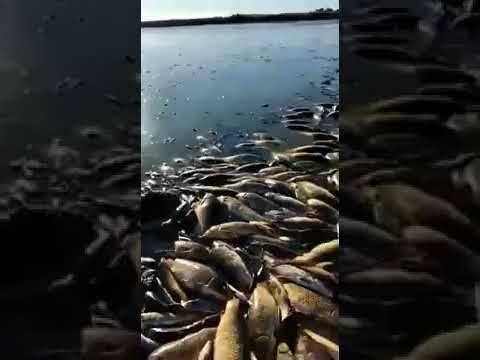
pixel 231 79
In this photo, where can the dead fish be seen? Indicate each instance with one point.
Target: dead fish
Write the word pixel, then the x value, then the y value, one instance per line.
pixel 320 272
pixel 207 351
pixel 457 344
pixel 386 53
pixel 197 277
pixel 235 230
pixel 272 170
pixel 279 187
pixel 313 149
pixel 442 247
pixel 243 158
pixel 229 343
pixel 310 303
pixel 187 348
pixel 159 320
pixel 210 160
pixel 249 186
pixel 419 104
pixel 318 158
pixel 301 128
pixel 169 281
pixel 257 202
pixel 262 322
pixel 378 122
pixel 246 145
pixel 215 190
pixel 305 190
pixel 330 345
pixel 240 210
pixel 282 241
pixel 392 282
pixel 369 236
pixel 302 223
pixel 280 295
pixel 318 253
pixel 300 277
pixel 209 212
pixel 398 205
pixel 160 332
pixel 286 201
pixel 284 176
pixel 229 261
pixel 251 168
pixel 325 211
pixel 191 250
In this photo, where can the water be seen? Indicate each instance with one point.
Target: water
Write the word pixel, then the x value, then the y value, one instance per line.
pixel 222 77
pixel 38 53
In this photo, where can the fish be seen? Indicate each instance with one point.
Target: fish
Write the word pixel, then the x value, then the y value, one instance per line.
pixel 263 320
pixel 249 186
pixel 305 190
pixel 286 201
pixel 188 347
pixel 309 303
pixel 243 158
pixel 296 275
pixel 400 205
pixel 207 351
pixel 239 210
pixel 229 338
pixel 191 250
pixel 197 277
pixel 460 343
pixel 235 230
pixel 233 265
pixel 318 253
pixel 392 282
pixel 257 202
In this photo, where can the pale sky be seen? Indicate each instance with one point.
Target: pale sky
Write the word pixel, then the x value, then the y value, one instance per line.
pixel 184 9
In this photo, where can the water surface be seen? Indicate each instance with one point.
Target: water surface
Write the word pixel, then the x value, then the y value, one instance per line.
pixel 232 79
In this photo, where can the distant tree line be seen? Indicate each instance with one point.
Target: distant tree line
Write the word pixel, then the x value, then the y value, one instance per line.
pixel 319 14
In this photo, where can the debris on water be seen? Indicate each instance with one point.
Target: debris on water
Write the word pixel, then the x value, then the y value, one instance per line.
pixel 201 138
pixel 169 140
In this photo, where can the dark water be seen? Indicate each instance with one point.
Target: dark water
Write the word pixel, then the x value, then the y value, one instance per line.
pixel 223 78
pixel 46 42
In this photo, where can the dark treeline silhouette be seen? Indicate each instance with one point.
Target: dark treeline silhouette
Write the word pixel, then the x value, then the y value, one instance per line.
pixel 319 14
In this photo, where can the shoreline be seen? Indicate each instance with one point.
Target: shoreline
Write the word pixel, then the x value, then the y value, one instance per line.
pixel 245 19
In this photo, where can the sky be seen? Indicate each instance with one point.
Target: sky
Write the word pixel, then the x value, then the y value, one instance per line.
pixel 184 9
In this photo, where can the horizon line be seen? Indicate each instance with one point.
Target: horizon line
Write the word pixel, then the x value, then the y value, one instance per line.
pixel 230 15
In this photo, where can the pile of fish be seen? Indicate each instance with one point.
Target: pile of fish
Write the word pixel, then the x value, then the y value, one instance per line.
pixel 74 221
pixel 239 251
pixel 410 197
